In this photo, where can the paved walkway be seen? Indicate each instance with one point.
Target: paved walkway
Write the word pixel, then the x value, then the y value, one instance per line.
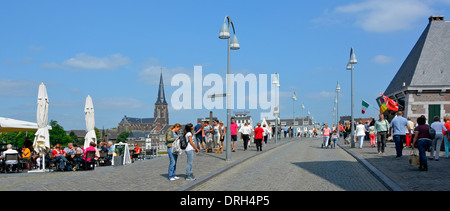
pixel 141 175
pixel 152 174
pixel 297 166
pixel 398 174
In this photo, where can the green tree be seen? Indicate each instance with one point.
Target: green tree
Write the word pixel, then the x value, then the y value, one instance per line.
pixel 58 135
pixel 123 136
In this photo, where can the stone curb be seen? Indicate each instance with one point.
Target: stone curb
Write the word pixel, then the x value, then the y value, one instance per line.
pixel 377 173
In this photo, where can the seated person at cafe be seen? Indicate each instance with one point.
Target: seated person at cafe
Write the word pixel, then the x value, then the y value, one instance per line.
pixel 110 151
pixel 59 156
pixel 137 151
pixel 9 162
pixel 90 149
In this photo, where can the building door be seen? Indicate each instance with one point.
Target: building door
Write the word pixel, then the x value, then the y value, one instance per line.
pixel 433 110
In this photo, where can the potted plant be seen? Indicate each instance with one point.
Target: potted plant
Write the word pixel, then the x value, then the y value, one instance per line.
pixel 118 157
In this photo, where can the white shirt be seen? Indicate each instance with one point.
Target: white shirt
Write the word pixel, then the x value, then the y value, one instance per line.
pixel 10 151
pixel 188 147
pixel 438 126
pixel 360 130
pixel 245 130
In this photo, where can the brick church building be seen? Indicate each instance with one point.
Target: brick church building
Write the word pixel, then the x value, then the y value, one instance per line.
pixel 154 127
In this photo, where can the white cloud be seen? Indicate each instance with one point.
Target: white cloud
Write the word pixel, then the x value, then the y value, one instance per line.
pixel 384 15
pixel 121 104
pixel 85 61
pixel 18 88
pixel 151 75
pixel 382 59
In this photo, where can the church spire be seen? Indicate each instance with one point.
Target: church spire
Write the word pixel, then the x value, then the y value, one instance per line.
pixel 161 96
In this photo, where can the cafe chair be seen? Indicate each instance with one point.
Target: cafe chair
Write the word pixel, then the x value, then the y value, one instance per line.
pixel 12 157
pixel 91 163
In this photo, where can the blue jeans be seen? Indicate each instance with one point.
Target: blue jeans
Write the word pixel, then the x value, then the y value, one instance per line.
pixel 173 163
pixel 190 157
pixel 62 160
pixel 423 144
pixel 398 140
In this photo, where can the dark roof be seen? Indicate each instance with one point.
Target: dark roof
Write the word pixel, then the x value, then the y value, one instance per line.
pixel 161 96
pixel 428 63
pixel 133 120
pixel 138 134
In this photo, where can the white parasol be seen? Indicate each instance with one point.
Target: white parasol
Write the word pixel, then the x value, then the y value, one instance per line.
pixel 13 125
pixel 42 138
pixel 90 122
pixel 41 142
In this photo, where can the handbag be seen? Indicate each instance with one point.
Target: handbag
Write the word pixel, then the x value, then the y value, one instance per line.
pixel 414 159
pixel 176 148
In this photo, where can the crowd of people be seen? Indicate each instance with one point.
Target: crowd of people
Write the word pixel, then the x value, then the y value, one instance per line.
pixel 402 131
pixel 72 157
pixel 206 137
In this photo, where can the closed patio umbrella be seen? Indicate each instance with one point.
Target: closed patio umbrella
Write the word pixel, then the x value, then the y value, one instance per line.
pixel 90 122
pixel 41 137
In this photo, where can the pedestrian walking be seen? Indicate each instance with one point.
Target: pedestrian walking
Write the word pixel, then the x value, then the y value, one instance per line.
pixel 190 149
pixel 360 133
pixel 222 135
pixel 422 138
pixel 258 137
pixel 335 138
pixel 326 135
pixel 447 135
pixel 216 136
pixel 372 134
pixel 399 125
pixel 208 130
pixel 382 132
pixel 347 131
pixel 246 132
pixel 198 130
pixel 170 136
pixel 234 131
pixel 436 144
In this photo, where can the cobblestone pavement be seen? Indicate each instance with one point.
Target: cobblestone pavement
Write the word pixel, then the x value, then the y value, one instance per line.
pixel 288 165
pixel 408 178
pixel 142 175
pixel 297 166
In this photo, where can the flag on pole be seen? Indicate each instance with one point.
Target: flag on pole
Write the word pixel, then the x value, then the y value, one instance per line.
pixel 365 105
pixel 390 104
pixel 381 104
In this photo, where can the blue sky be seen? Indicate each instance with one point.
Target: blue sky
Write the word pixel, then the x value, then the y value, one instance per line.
pixel 114 51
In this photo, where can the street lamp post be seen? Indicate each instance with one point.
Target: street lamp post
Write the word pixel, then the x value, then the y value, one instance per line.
pixel 276 109
pixel 294 98
pixel 350 64
pixel 233 44
pixel 338 89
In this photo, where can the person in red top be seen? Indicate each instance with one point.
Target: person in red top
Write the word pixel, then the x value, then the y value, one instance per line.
pixel 59 155
pixel 137 151
pixel 258 137
pixel 446 135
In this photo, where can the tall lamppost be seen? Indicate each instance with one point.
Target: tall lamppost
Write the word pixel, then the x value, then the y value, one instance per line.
pixel 350 64
pixel 338 89
pixel 276 109
pixel 233 44
pixel 294 98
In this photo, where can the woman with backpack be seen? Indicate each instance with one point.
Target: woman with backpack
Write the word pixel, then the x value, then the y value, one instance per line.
pixel 170 136
pixel 190 149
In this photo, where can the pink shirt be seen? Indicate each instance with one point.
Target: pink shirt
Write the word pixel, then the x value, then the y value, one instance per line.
pixel 233 127
pixel 326 131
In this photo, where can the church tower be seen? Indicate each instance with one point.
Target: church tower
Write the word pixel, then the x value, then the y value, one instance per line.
pixel 161 108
